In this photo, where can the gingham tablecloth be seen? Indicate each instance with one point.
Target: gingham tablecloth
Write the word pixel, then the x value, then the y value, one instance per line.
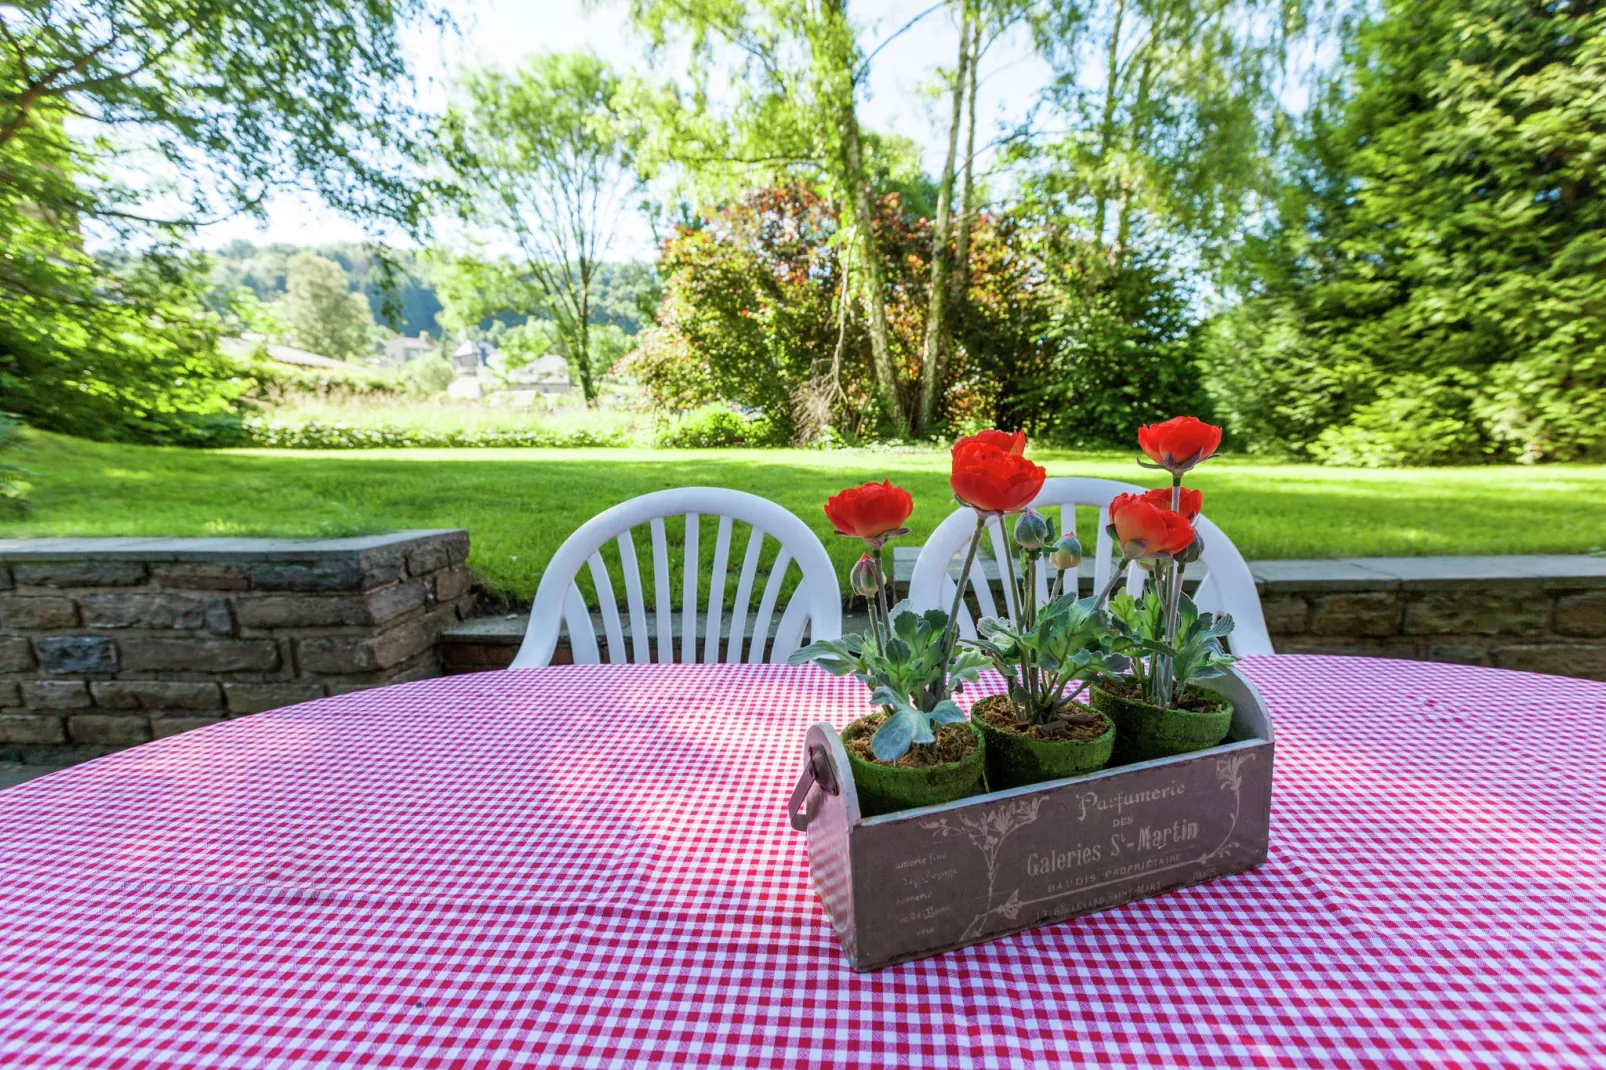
pixel 590 866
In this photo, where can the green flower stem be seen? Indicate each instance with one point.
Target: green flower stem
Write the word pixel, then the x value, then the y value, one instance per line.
pixel 1109 588
pixel 1028 677
pixel 881 593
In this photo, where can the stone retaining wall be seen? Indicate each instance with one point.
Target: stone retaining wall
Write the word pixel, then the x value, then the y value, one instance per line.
pixel 106 643
pixel 1536 613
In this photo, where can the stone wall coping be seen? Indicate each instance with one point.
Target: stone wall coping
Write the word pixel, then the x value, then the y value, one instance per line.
pixel 1366 573
pixel 1423 573
pixel 509 629
pixel 132 548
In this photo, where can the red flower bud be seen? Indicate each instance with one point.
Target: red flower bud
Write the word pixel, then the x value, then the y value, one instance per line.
pixel 869 511
pixel 1179 443
pixel 990 473
pixel 1161 531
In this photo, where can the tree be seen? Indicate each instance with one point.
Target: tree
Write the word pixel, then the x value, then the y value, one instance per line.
pixel 321 314
pixel 239 100
pixel 1170 110
pixel 801 71
pixel 1432 290
pixel 545 154
pixel 249 96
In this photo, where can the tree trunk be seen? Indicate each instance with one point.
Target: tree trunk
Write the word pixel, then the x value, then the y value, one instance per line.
pixel 875 286
pixel 1112 70
pixel 966 187
pixel 836 58
pixel 582 334
pixel 931 369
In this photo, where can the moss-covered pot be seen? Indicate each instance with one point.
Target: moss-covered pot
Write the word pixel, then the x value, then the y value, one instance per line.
pixel 1143 731
pixel 1014 760
pixel 885 789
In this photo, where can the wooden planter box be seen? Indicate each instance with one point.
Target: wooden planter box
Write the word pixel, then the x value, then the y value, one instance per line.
pixel 906 885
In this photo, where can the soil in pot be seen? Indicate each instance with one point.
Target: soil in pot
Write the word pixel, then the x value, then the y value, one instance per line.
pixel 949 769
pixel 1079 741
pixel 1198 720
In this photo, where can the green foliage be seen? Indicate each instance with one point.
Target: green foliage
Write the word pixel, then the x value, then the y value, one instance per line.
pixel 1414 420
pixel 314 435
pixel 1077 348
pixel 716 427
pixel 1165 104
pixel 130 355
pixel 1070 641
pixel 397 276
pixel 250 96
pixel 430 375
pixel 235 101
pixel 907 674
pixel 1438 260
pixel 748 314
pixel 320 314
pixel 14 485
pixel 275 382
pixel 1194 652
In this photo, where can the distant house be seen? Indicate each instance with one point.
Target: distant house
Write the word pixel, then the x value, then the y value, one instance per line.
pixel 402 350
pixel 543 375
pixel 249 344
pixel 472 356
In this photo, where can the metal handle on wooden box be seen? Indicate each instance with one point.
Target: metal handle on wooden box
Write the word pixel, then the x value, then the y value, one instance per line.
pixel 817 771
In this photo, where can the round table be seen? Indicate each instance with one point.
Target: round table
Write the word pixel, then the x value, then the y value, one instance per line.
pixel 591 866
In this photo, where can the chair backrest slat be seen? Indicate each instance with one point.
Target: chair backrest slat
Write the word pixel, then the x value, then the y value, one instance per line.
pixel 744 591
pixel 688 591
pixel 610 610
pixel 980 587
pixel 814 606
pixel 997 535
pixel 716 590
pixel 766 607
pixel 582 640
pixel 1103 551
pixel 1229 587
pixel 660 580
pixel 640 641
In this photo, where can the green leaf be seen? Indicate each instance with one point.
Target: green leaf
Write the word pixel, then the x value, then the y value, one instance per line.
pixel 896 735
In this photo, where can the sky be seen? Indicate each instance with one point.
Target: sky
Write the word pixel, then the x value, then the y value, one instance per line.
pixel 502 32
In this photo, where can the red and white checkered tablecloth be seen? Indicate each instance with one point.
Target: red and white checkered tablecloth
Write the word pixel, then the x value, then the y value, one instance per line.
pixel 590 866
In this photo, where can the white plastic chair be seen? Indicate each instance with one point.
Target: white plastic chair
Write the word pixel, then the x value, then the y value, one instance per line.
pixel 1228 588
pixel 815 604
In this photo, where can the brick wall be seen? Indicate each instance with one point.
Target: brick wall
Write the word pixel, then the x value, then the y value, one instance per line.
pixel 109 642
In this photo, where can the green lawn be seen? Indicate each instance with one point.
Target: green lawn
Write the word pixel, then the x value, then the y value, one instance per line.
pixel 519 504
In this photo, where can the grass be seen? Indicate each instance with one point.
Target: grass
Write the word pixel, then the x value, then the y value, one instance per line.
pixel 520 504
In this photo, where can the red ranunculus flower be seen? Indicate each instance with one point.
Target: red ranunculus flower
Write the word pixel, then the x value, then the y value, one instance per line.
pixel 990 473
pixel 1010 443
pixel 1137 519
pixel 1179 443
pixel 870 511
pixel 1188 505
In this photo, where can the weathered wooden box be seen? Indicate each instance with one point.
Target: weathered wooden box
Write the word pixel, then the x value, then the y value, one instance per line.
pixel 906 885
